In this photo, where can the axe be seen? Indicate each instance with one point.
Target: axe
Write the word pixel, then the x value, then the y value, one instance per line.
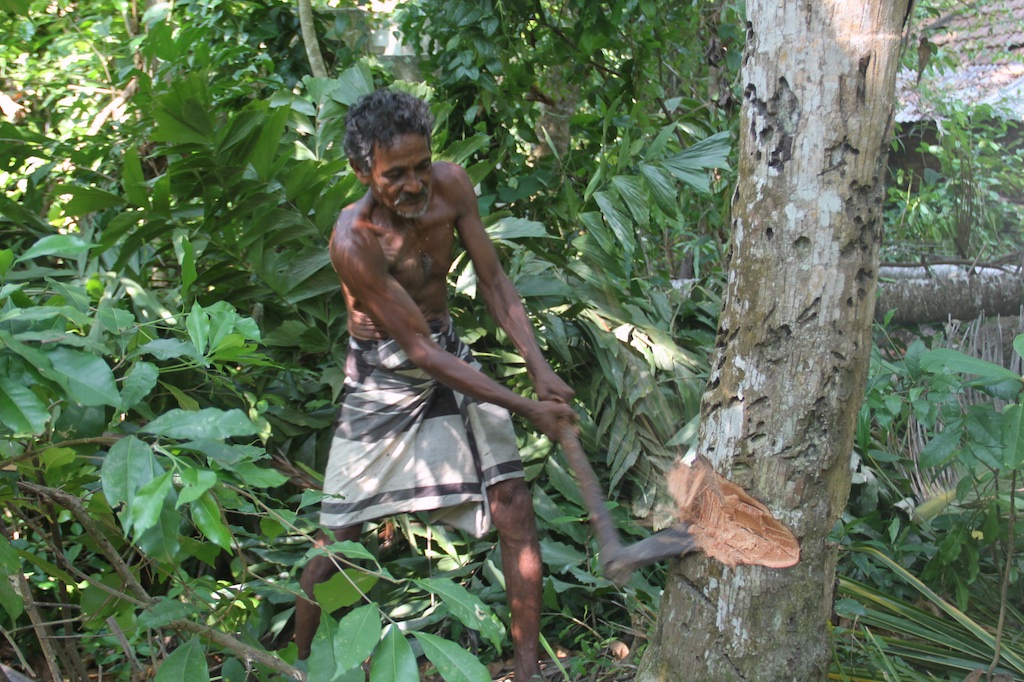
pixel 618 561
pixel 716 516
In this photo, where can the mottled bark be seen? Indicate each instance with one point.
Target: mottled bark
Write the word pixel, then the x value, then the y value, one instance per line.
pixel 942 292
pixel 794 337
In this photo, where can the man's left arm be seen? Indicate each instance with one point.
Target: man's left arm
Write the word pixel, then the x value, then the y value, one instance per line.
pixel 500 294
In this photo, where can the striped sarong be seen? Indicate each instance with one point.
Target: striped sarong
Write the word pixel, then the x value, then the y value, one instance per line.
pixel 406 443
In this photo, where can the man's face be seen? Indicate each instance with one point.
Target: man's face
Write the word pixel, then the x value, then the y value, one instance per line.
pixel 401 174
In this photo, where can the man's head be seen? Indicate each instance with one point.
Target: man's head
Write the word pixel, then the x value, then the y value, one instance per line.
pixel 387 139
pixel 378 118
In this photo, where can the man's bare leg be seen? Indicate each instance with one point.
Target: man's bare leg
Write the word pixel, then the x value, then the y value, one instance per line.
pixel 512 512
pixel 319 569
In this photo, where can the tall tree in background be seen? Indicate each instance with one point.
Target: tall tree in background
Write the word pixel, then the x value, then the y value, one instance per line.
pixel 794 338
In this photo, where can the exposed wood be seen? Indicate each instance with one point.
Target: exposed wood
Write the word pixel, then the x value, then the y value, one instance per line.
pixel 793 345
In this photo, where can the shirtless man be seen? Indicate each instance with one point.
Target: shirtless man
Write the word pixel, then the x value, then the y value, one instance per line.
pixel 392 251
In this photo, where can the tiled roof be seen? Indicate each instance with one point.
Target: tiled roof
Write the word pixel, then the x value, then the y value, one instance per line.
pixel 986 38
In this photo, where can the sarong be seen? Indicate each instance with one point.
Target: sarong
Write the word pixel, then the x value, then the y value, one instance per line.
pixel 406 443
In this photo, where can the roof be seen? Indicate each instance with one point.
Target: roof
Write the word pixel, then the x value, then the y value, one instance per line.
pixel 980 48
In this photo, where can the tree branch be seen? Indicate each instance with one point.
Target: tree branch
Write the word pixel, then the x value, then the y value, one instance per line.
pixel 309 39
pixel 222 639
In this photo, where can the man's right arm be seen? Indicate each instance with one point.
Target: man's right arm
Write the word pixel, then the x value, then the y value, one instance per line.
pixel 362 268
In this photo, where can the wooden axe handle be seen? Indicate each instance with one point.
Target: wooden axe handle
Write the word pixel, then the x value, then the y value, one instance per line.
pixel 608 540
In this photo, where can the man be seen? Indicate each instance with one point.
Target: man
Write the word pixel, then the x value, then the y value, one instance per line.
pixel 420 427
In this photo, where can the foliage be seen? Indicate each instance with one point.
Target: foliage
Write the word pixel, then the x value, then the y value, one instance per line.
pixel 171 342
pixel 936 493
pixel 967 202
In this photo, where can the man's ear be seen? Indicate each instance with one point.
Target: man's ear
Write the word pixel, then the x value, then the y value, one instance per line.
pixel 362 175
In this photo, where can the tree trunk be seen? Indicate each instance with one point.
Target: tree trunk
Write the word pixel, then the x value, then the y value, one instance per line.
pixel 310 41
pixel 941 292
pixel 794 338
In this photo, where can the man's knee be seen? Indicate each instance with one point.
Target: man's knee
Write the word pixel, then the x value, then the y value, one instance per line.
pixel 511 505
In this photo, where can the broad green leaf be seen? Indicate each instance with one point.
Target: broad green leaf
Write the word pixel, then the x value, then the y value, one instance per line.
pixel 21 410
pixel 692 164
pixel 128 466
pixel 187 663
pixel 10 601
pixel 138 382
pixel 1013 437
pixel 207 517
pixel 256 476
pixel 344 588
pixel 169 349
pixel 132 180
pixel 353 83
pixel 947 359
pixel 323 661
pixel 161 541
pixel 941 448
pixel 631 191
pixel 1018 341
pixel 149 502
pixel 509 228
pixel 88 379
pixel 618 221
pixel 185 254
pixel 198 325
pixel 358 634
pixel 85 200
pixel 184 400
pixel 467 607
pixel 13 604
pixel 165 610
pixel 6 261
pixel 62 245
pixel 453 662
pixel 393 659
pixel 195 482
pixel 662 189
pixel 206 423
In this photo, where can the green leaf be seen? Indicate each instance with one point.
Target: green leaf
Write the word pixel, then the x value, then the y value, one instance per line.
pixel 21 410
pixel 358 634
pixel 138 382
pixel 631 190
pixel 198 325
pixel 1018 342
pixel 692 164
pixel 393 659
pixel 323 655
pixel 132 180
pixel 467 607
pixel 195 482
pixel 63 245
pixel 256 476
pixel 187 663
pixel 344 588
pixel 453 662
pixel 941 448
pixel 88 379
pixel 6 261
pixel 163 612
pixel 11 602
pixel 149 502
pixel 510 228
pixel 946 359
pixel 206 423
pixel 617 221
pixel 1013 436
pixel 661 187
pixel 207 517
pixel 128 466
pixel 85 200
pixel 161 541
pixel 185 254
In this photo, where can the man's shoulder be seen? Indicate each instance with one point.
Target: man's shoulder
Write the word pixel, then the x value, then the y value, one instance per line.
pixel 449 173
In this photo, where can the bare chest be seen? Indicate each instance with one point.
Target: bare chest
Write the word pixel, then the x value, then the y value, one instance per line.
pixel 417 259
